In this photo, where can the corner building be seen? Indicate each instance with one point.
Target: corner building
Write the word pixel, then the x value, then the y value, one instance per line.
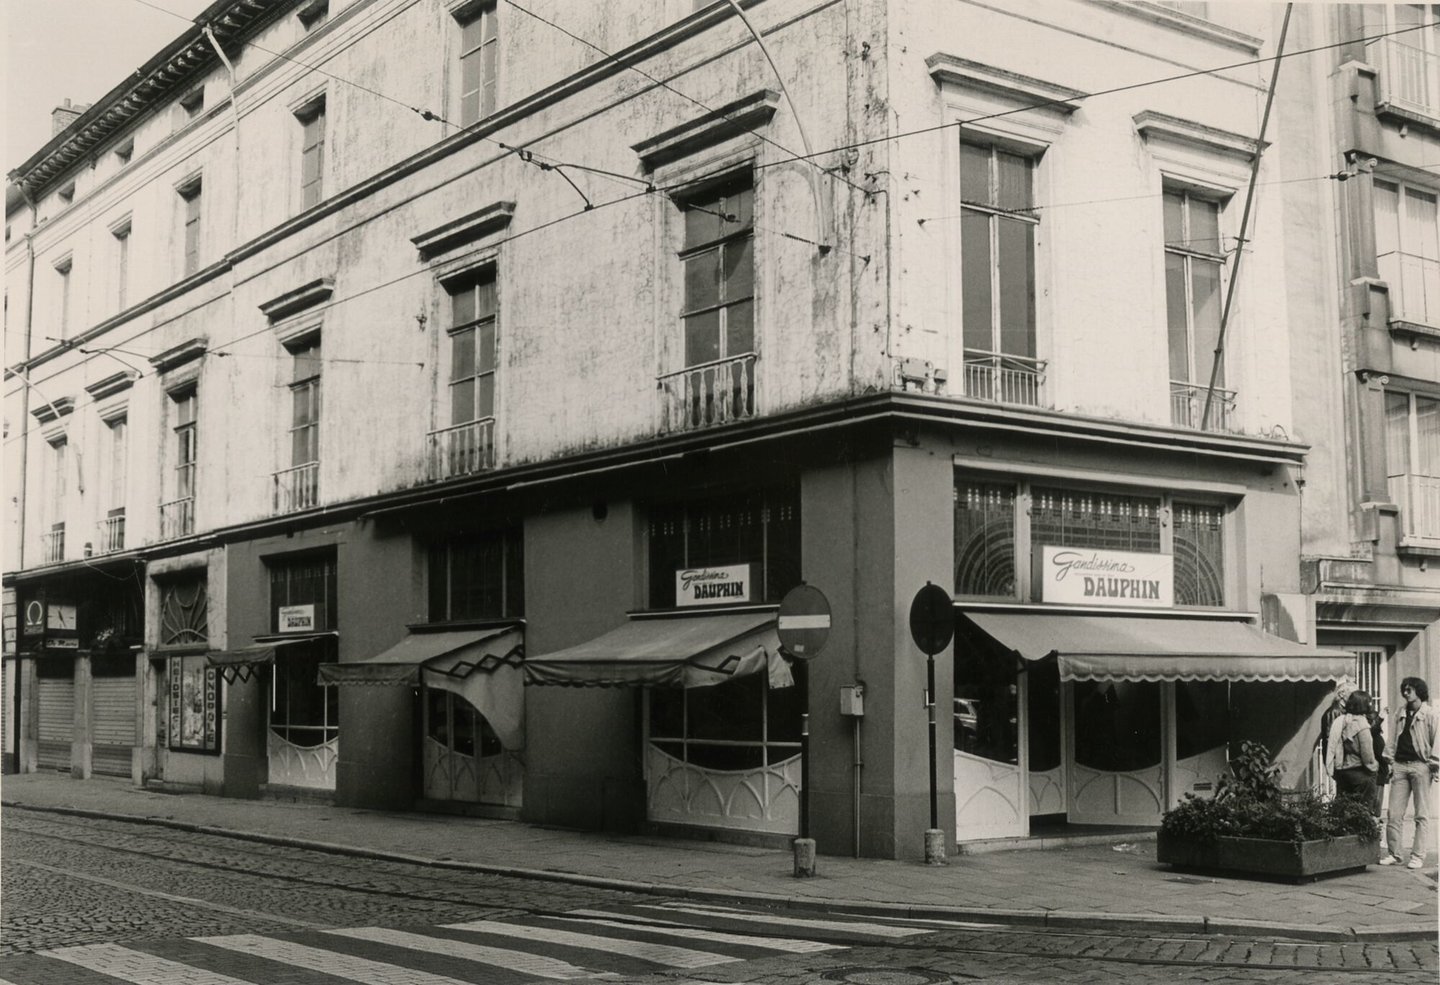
pixel 471 395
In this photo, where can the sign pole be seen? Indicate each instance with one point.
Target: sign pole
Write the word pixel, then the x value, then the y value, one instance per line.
pixel 930 703
pixel 803 627
pixel 932 626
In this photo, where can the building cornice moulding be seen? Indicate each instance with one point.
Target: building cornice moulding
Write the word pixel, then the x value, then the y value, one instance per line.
pixel 1157 13
pixel 962 73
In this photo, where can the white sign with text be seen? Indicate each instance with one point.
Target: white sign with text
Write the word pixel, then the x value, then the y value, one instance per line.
pixel 296 618
pixel 709 586
pixel 1086 576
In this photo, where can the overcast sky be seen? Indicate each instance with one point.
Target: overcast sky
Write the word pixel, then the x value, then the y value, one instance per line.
pixel 78 49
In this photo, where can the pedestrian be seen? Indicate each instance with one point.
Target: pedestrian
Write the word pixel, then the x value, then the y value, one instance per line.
pixel 1329 741
pixel 1354 755
pixel 1382 772
pixel 1411 751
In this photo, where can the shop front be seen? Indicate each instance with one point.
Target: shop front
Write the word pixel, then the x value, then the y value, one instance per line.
pixel 1102 668
pixel 721 715
pixel 1116 717
pixel 472 704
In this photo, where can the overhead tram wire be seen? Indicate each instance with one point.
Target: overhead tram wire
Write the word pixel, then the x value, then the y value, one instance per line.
pixel 656 189
pixel 959 124
pixel 542 161
pixel 804 158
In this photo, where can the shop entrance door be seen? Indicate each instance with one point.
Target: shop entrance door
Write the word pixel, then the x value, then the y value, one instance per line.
pixel 464 760
pixel 1116 742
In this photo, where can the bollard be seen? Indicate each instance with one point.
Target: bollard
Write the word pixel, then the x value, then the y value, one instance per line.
pixel 934 846
pixel 804 857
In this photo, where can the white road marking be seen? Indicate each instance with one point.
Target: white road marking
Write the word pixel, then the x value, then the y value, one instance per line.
pixel 138 967
pixel 775 919
pixel 330 962
pixel 605 919
pixel 522 961
pixel 675 957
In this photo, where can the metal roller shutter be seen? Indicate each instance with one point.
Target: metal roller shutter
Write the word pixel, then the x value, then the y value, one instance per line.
pixel 112 724
pixel 56 727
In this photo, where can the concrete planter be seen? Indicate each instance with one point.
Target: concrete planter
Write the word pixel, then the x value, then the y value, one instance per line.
pixel 1303 861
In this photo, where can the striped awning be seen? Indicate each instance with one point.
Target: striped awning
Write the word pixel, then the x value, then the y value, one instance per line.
pixel 676 651
pixel 1096 647
pixel 482 666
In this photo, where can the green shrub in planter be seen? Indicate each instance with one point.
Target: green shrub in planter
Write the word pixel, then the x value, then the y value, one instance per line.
pixel 1249 803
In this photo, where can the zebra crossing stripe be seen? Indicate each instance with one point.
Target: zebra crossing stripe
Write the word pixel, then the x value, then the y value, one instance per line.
pixel 599 918
pixel 317 959
pixel 522 961
pixel 666 954
pixel 138 967
pixel 777 920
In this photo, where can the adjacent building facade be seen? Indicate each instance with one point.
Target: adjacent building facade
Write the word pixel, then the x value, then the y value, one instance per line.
pixel 425 403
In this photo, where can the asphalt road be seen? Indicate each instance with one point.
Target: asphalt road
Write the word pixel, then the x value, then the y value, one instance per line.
pixel 87 902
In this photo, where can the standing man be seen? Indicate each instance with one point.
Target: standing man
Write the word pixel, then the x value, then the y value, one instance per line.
pixel 1411 749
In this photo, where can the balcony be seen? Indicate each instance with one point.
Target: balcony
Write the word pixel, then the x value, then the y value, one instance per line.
pixel 52 543
pixel 1002 378
pixel 461 449
pixel 1418 497
pixel 1410 77
pixel 1187 407
pixel 297 488
pixel 717 392
pixel 177 518
pixel 112 532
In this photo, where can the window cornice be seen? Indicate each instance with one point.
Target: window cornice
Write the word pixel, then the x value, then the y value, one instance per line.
pixel 731 120
pixel 962 73
pixel 464 230
pixel 53 410
pixel 1153 126
pixel 177 356
pixel 305 296
pixel 111 385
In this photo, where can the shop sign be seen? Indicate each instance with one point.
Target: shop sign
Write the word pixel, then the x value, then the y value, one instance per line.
pixel 296 618
pixel 709 586
pixel 1085 576
pixel 34 617
pixel 62 643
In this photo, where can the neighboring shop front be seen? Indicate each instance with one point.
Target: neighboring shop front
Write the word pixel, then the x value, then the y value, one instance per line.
pixel 185 702
pixel 79 637
pixel 1107 654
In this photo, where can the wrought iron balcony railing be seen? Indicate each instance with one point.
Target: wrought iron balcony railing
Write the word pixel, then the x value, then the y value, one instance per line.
pixel 1187 407
pixel 717 392
pixel 112 532
pixel 461 449
pixel 1003 378
pixel 177 518
pixel 53 542
pixel 297 488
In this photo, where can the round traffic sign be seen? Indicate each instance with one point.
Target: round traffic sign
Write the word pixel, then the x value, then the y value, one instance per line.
pixel 932 619
pixel 803 622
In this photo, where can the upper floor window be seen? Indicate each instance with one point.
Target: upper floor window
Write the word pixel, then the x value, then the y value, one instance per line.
pixel 1194 273
pixel 989 517
pixel 719 270
pixel 57 488
pixel 65 268
pixel 479 63
pixel 473 327
pixel 312 153
pixel 479 577
pixel 185 438
pixel 190 196
pixel 313 14
pixel 305 402
pixel 192 104
pixel 1412 457
pixel 758 528
pixel 1410 59
pixel 999 228
pixel 119 451
pixel 122 263
pixel 1407 248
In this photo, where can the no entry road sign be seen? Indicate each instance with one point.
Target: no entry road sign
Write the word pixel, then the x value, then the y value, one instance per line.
pixel 803 622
